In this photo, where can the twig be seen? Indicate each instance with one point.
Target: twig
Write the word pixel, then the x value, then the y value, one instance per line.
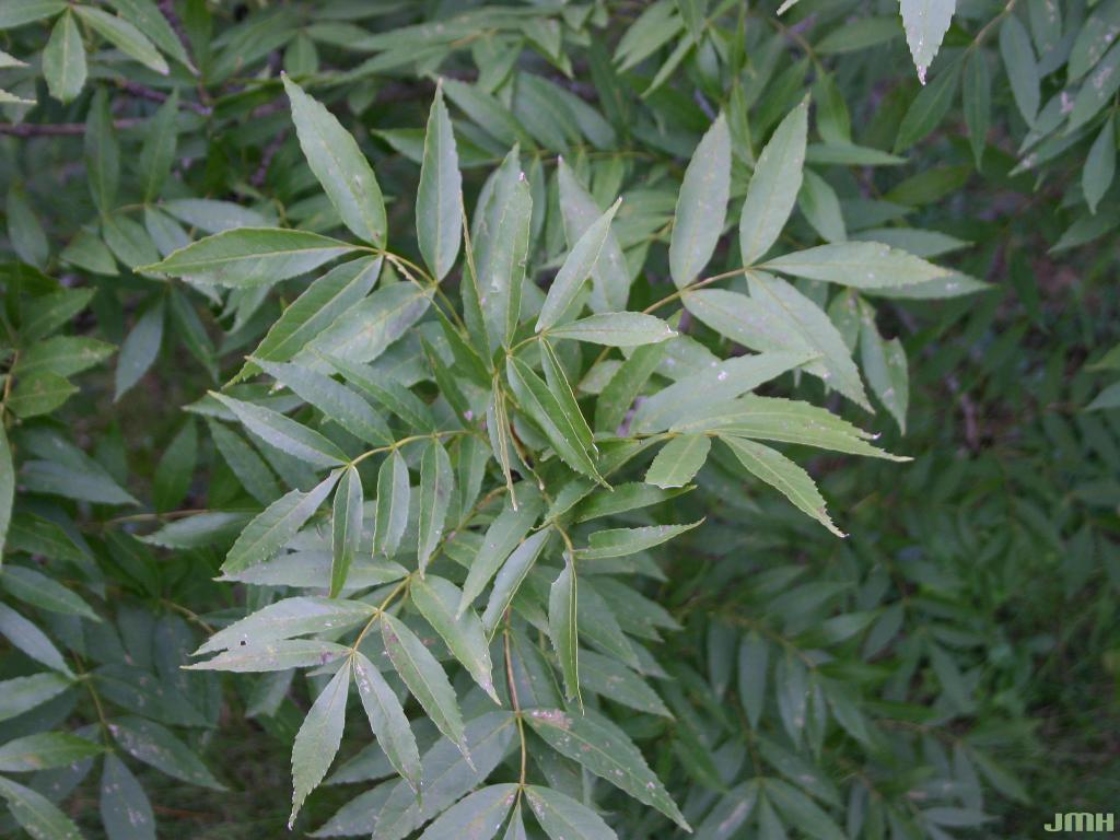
pixel 152 95
pixel 274 146
pixel 62 129
pixel 167 7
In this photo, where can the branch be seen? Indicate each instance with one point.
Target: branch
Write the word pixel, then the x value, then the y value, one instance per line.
pixel 62 129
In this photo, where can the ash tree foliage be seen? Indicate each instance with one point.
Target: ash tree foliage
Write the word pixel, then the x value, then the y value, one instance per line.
pixel 476 332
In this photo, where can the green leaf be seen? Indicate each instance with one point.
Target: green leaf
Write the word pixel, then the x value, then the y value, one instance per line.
pixel 7 487
pixel 511 576
pixel 926 22
pixel 679 461
pixel 536 399
pixel 338 163
pixel 616 329
pixel 20 12
pixel 563 629
pixel 387 720
pixel 424 678
pixel 606 751
pixel 391 513
pixel 784 475
pixel 63 355
pixel 505 533
pixel 64 59
pixel 475 817
pixel 324 301
pixel 39 590
pixel 624 387
pixel 1098 91
pixel 173 473
pixel 620 542
pixel 1096 36
pixel 929 107
pixel 448 775
pixel 754 658
pixel 45 314
pixel 335 400
pixel 26 234
pixel 284 433
pixel 693 394
pixel 438 600
pixel 884 364
pixel 607 677
pixel 774 187
pixel 802 812
pixel 158 152
pixel 367 329
pixel 788 421
pixel 126 811
pixel 1100 166
pixel 44 750
pixel 437 483
pixel 500 290
pixel 392 396
pixel 778 317
pixel 123 35
pixel 102 153
pixel 439 200
pixel 579 265
pixel 858 265
pixel 21 694
pixel 274 656
pixel 249 257
pixel 346 523
pixel 558 383
pixel 564 818
pixel 610 277
pixel 246 464
pixel 701 205
pixel 37 814
pixel 275 526
pixel 146 17
pixel 38 394
pixel 319 738
pixel 31 640
pixel 154 745
pixel 84 480
pixel 285 619
pixel 1022 69
pixel 140 349
pixel 976 95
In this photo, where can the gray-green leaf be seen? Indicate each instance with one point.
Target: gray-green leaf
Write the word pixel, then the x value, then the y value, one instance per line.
pixel 424 678
pixel 678 461
pixel 346 521
pixel 438 600
pixel 338 163
pixel 579 265
pixel 284 433
pixel 275 526
pixel 64 60
pixel 607 752
pixel 437 481
pixel 439 207
pixel 391 513
pixel 926 22
pixel 616 329
pixel 701 205
pixel 248 257
pixel 387 720
pixel 319 738
pixel 774 187
pixel 784 475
